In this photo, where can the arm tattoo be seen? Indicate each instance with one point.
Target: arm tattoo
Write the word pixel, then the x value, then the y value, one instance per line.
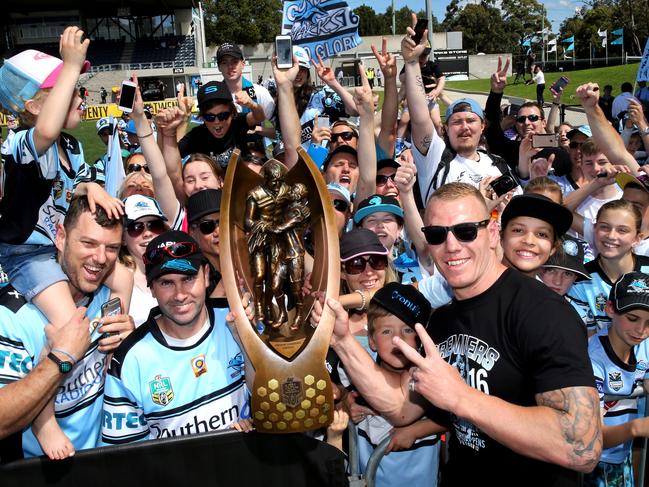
pixel 419 83
pixel 578 414
pixel 424 143
pixel 412 61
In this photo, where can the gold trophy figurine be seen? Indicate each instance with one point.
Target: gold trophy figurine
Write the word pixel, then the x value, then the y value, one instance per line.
pixel 264 218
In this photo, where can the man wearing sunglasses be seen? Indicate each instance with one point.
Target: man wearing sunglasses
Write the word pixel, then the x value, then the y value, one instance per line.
pixel 204 215
pixel 505 366
pixel 530 119
pixel 342 203
pixel 182 373
pixel 87 244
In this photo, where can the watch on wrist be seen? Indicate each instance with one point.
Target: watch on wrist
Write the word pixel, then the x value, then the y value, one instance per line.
pixel 645 131
pixel 63 365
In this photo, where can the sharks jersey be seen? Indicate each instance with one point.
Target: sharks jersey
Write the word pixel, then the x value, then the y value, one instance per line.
pixel 415 467
pixel 154 390
pixel 78 400
pixel 592 295
pixel 38 188
pixel 613 377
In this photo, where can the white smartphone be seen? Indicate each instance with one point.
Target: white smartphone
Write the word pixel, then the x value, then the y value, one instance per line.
pixel 284 50
pixel 127 96
pixel 325 123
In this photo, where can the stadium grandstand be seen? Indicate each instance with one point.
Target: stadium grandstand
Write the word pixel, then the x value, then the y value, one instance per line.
pixel 161 40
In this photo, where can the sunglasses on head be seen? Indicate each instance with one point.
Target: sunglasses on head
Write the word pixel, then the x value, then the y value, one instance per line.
pixel 346 136
pixel 531 118
pixel 206 226
pixel 136 168
pixel 221 117
pixel 464 232
pixel 382 180
pixel 135 229
pixel 575 145
pixel 341 205
pixel 358 264
pixel 175 250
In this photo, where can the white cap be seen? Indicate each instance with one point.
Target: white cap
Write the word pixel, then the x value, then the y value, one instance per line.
pixel 302 57
pixel 137 206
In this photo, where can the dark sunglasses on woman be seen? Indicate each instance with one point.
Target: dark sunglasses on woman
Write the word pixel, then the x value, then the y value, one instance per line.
pixel 382 180
pixel 358 264
pixel 135 229
pixel 136 168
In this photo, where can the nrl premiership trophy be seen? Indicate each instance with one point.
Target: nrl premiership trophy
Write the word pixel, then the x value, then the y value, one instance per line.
pixel 264 218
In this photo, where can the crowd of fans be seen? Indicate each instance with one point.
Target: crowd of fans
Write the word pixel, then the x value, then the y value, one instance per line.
pixel 504 286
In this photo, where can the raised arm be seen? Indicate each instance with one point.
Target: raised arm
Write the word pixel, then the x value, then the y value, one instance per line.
pixel 256 114
pixel 563 428
pixel 168 122
pixel 164 190
pixel 606 137
pixel 53 112
pixel 326 74
pixel 366 149
pixel 422 124
pixel 389 112
pixel 23 400
pixel 551 121
pixel 289 120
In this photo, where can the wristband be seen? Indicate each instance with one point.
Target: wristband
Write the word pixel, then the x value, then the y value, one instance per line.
pixel 362 307
pixel 67 354
pixel 644 132
pixel 145 136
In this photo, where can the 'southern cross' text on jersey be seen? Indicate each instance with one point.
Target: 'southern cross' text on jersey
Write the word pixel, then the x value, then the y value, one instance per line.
pixel 154 390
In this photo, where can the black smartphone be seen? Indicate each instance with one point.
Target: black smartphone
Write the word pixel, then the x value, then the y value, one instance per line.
pixel 420 28
pixel 284 50
pixel 503 184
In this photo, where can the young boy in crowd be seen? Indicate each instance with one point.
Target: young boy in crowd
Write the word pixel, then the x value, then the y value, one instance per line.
pixel 620 356
pixel 42 163
pixel 413 458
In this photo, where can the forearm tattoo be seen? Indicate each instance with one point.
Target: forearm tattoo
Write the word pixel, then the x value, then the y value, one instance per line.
pixel 424 144
pixel 579 420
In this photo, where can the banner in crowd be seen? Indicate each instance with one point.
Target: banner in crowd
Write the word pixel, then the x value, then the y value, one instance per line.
pixel 95 112
pixel 643 69
pixel 324 27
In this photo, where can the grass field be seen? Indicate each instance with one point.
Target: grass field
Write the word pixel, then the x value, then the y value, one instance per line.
pixel 613 75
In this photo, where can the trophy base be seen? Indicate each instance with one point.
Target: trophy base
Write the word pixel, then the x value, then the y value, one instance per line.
pixel 290 400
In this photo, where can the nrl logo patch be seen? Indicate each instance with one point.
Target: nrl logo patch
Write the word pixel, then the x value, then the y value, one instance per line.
pixel 291 392
pixel 615 381
pixel 161 391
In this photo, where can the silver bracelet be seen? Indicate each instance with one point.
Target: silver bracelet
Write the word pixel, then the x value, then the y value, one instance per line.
pixel 67 354
pixel 364 302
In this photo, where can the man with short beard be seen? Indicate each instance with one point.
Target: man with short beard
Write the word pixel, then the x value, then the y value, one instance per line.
pixel 73 368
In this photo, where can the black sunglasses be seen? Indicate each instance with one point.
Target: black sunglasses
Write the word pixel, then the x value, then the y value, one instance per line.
pixel 382 180
pixel 221 117
pixel 136 168
pixel 464 232
pixel 358 264
pixel 135 229
pixel 175 250
pixel 346 136
pixel 575 145
pixel 206 226
pixel 531 118
pixel 341 205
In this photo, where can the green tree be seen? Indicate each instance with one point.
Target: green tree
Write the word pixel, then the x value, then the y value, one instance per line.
pixel 482 27
pixel 370 24
pixel 224 21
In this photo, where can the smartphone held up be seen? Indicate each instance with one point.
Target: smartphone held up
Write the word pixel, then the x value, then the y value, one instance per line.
pixel 127 96
pixel 284 50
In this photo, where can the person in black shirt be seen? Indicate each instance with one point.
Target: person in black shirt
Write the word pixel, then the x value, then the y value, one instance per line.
pixel 606 103
pixel 506 366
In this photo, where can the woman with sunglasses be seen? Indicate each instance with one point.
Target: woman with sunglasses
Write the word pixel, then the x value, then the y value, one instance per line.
pixel 144 221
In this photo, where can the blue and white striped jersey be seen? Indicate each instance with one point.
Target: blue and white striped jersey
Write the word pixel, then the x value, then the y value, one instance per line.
pixel 154 390
pixel 613 377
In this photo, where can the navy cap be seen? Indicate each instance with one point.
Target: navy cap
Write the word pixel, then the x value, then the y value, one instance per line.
pixel 213 91
pixel 403 301
pixel 159 258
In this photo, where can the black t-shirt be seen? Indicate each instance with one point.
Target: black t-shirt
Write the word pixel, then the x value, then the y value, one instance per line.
pixel 513 341
pixel 430 73
pixel 199 139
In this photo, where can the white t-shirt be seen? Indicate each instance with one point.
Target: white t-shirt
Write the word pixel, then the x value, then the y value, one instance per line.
pixel 591 205
pixel 142 302
pixel 621 103
pixel 263 98
pixel 461 169
pixel 539 78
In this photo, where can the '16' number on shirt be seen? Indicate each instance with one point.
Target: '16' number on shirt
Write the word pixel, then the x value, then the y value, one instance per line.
pixel 477 380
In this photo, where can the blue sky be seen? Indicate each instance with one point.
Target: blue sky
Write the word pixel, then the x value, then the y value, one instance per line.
pixel 557 10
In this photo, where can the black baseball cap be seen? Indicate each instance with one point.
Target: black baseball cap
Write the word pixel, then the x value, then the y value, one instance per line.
pixel 541 207
pixel 360 241
pixel 213 91
pixel 387 163
pixel 203 203
pixel 403 301
pixel 570 257
pixel 341 149
pixel 631 291
pixel 228 49
pixel 172 252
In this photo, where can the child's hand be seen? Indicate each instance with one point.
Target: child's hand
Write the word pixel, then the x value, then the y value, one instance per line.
pixel 243 425
pixel 339 424
pixel 97 196
pixel 73 51
pixel 402 439
pixel 357 413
